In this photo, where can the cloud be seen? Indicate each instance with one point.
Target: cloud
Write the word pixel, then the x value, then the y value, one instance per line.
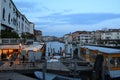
pixel 61 29
pixel 25 4
pixel 81 19
pixel 61 20
pixel 30 6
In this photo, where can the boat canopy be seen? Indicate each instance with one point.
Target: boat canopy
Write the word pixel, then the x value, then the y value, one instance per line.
pixel 103 49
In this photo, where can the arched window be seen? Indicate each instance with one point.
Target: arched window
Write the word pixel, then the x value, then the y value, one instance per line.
pixel 9 18
pixel 3 14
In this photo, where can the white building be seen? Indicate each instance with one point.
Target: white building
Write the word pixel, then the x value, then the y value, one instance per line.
pixel 85 38
pixel 68 38
pixel 12 20
pixel 68 43
pixel 111 37
pixel 38 35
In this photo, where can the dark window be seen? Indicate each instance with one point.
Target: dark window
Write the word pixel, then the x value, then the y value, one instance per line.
pixel 3 14
pixel 10 5
pixel 9 18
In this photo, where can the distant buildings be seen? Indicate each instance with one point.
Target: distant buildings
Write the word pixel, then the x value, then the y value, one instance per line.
pixel 38 35
pixel 12 20
pixel 68 38
pixel 50 38
pixel 85 38
pixel 109 37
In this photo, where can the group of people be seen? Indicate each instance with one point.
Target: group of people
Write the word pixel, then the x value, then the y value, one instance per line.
pixel 12 58
pixel 16 56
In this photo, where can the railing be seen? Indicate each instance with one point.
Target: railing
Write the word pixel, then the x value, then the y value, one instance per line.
pixel 10 40
pixel 17 65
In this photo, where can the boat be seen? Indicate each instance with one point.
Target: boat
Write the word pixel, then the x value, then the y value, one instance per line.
pixel 111 59
pixel 54 58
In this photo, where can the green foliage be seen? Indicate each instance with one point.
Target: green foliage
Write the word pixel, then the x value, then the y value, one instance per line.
pixel 27 35
pixel 8 34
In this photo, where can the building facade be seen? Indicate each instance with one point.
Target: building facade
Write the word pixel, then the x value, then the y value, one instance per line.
pixel 85 38
pixel 68 38
pixel 11 19
pixel 38 35
pixel 111 37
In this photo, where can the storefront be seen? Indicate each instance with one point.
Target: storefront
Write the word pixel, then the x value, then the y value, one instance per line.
pixel 7 50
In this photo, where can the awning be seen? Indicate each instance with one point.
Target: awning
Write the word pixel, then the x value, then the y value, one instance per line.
pixel 34 48
pixel 10 47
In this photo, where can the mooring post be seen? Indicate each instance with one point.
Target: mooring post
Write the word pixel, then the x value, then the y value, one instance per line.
pixel 44 69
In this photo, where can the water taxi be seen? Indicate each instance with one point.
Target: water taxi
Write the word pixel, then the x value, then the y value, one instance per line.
pixel 111 58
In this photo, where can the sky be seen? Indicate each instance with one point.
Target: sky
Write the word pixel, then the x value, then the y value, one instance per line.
pixel 60 17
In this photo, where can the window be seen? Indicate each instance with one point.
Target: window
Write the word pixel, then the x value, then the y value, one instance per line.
pixel 107 33
pixel 3 14
pixel 9 18
pixel 117 37
pixel 107 37
pixel 115 62
pixel 10 5
pixel 13 10
pixel 117 33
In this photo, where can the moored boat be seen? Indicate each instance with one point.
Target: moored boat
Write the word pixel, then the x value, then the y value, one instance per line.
pixel 111 59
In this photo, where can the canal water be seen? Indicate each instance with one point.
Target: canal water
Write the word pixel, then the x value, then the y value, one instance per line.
pixel 54 48
pixel 58 48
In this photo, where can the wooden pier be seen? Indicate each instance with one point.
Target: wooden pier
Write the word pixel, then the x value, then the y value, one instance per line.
pixel 30 68
pixel 60 68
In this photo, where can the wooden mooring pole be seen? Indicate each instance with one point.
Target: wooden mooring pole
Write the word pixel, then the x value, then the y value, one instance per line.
pixel 44 69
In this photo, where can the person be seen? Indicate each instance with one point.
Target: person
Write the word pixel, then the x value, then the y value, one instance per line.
pixel 75 56
pixel 14 55
pixel 11 60
pixel 98 67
